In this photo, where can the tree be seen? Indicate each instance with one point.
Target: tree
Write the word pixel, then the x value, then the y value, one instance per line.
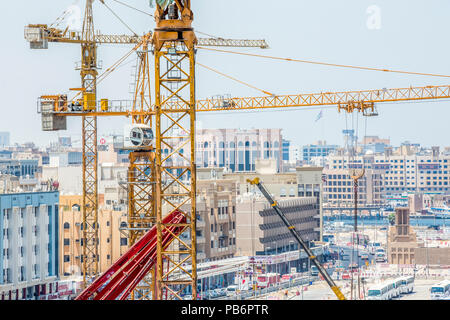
pixel 391 219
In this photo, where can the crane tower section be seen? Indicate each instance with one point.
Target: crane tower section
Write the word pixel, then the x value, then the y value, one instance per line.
pixel 174 40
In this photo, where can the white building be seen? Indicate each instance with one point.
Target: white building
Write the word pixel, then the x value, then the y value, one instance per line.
pixel 28 244
pixel 238 149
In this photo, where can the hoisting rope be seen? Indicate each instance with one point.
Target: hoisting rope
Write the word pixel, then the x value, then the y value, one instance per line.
pixel 326 63
pixel 123 22
pixel 108 71
pixel 234 79
pixel 131 7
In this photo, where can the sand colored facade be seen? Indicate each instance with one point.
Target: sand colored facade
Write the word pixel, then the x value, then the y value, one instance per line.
pixel 113 243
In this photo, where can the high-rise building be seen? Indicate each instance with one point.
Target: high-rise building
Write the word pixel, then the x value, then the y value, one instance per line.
pixel 29 247
pixel 4 139
pixel 285 150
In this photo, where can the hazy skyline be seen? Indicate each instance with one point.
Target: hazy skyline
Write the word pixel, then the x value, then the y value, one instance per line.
pixel 409 35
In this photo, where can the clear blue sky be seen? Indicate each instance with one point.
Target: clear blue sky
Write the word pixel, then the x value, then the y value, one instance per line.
pixel 413 36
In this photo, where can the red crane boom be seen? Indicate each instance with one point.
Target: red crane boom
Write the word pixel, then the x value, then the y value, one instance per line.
pixel 126 273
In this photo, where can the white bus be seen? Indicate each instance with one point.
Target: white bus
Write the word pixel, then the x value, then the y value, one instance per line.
pixel 380 257
pixel 232 290
pixel 407 284
pixel 441 290
pixel 391 289
pixel 397 283
pixel 379 292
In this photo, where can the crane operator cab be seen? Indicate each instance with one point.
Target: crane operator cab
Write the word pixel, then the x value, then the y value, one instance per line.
pixel 138 136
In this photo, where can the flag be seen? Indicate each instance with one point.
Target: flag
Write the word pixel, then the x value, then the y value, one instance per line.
pixel 319 116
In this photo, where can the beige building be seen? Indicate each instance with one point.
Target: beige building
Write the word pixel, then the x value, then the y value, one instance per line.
pixel 432 256
pixel 339 188
pixel 112 242
pixel 216 224
pixel 405 171
pixel 304 182
pixel 259 230
pixel 278 184
pixel 402 241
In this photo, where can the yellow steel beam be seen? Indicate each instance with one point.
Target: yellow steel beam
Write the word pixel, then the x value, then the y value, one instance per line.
pixel 68 36
pixel 340 99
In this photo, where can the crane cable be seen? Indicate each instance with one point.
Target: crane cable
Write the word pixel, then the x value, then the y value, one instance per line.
pixel 326 63
pixel 131 7
pixel 234 79
pixel 123 22
pixel 108 71
pixel 149 14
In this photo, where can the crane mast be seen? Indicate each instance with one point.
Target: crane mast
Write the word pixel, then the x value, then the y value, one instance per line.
pixel 89 74
pixel 173 42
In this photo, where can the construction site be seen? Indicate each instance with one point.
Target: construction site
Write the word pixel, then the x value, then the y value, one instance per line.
pixel 187 210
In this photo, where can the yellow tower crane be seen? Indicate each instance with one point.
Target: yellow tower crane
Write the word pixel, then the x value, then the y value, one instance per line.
pixel 172 116
pixel 142 212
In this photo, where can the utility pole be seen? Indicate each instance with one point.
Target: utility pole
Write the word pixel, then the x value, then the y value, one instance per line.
pixel 355 175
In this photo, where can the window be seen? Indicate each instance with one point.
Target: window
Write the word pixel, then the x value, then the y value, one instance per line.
pixel 66 242
pixel 123 241
pixel 66 258
pixel 66 225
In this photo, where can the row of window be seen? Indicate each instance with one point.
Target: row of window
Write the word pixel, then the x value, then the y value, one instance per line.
pixel 223 145
pixel 222 243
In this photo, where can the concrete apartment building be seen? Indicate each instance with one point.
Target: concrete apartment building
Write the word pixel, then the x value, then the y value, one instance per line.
pixel 216 219
pixel 405 171
pixel 304 182
pixel 339 191
pixel 260 231
pixel 113 243
pixel 29 247
pixel 238 149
